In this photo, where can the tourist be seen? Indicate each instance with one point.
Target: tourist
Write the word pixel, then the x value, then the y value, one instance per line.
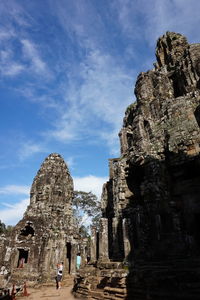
pixel 78 261
pixel 21 262
pixel 59 275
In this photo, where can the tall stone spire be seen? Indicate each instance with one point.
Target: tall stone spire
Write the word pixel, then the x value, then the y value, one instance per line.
pixel 52 189
pixel 47 234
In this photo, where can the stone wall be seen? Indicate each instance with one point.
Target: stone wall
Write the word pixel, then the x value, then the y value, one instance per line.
pixel 151 201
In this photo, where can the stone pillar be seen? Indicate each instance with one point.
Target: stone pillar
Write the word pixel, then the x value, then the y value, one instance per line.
pixel 126 228
pixel 123 140
pixel 115 247
pixel 93 246
pixel 73 258
pixel 103 240
pixel 118 245
pixel 83 252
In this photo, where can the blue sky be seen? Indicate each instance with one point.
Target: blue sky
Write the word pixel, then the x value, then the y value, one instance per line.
pixel 67 74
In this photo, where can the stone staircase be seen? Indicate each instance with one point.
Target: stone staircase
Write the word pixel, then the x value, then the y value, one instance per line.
pixel 175 279
pixel 106 283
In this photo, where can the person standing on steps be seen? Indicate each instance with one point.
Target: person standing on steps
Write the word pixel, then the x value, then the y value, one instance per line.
pixel 59 275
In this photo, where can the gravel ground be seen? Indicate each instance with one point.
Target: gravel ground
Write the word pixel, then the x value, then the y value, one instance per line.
pixel 50 293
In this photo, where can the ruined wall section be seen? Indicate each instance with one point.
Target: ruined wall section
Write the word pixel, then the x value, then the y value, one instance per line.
pixel 160 142
pixel 115 199
pixel 150 204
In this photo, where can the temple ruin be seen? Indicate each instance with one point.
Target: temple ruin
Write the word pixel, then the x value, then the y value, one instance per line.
pixel 47 234
pixel 148 245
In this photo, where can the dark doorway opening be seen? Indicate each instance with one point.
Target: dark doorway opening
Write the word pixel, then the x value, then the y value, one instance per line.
pixel 178 85
pixel 23 258
pixel 69 248
pixel 28 229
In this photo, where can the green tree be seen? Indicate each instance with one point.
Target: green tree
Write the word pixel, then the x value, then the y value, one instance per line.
pixel 87 210
pixel 2 227
pixel 9 228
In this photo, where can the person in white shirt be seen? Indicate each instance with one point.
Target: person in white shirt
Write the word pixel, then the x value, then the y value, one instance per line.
pixel 59 275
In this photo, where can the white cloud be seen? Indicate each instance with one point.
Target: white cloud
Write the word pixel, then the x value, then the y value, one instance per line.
pixel 90 183
pixel 99 87
pixel 70 161
pixel 11 10
pixel 16 21
pixel 8 67
pixel 150 19
pixel 13 69
pixel 6 33
pixel 12 214
pixel 81 21
pixel 46 99
pixel 32 54
pixel 95 103
pixel 15 190
pixel 112 140
pixel 29 148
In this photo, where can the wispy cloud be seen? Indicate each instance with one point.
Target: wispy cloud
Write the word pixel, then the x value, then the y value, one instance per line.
pixel 12 11
pixel 46 99
pixel 96 101
pixel 33 57
pixel 81 20
pixel 16 40
pixel 149 19
pixel 15 190
pixel 70 161
pixel 6 33
pixel 8 66
pixel 11 215
pixel 90 183
pixel 98 88
pixel 96 85
pixel 29 148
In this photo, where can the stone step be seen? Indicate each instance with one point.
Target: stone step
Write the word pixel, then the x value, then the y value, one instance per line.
pixel 114 290
pixel 97 294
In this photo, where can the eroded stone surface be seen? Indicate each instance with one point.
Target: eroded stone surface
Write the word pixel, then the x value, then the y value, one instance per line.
pixel 151 200
pixel 47 233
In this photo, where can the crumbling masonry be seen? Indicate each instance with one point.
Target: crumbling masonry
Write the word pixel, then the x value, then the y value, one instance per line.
pixel 148 246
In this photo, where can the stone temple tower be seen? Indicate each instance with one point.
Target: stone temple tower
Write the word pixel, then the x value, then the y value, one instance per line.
pixel 149 239
pixel 47 233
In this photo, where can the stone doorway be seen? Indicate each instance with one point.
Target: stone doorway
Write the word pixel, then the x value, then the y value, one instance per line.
pixel 69 249
pixel 23 258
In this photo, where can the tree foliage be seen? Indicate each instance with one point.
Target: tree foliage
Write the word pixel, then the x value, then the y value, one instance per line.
pixel 4 228
pixel 87 210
